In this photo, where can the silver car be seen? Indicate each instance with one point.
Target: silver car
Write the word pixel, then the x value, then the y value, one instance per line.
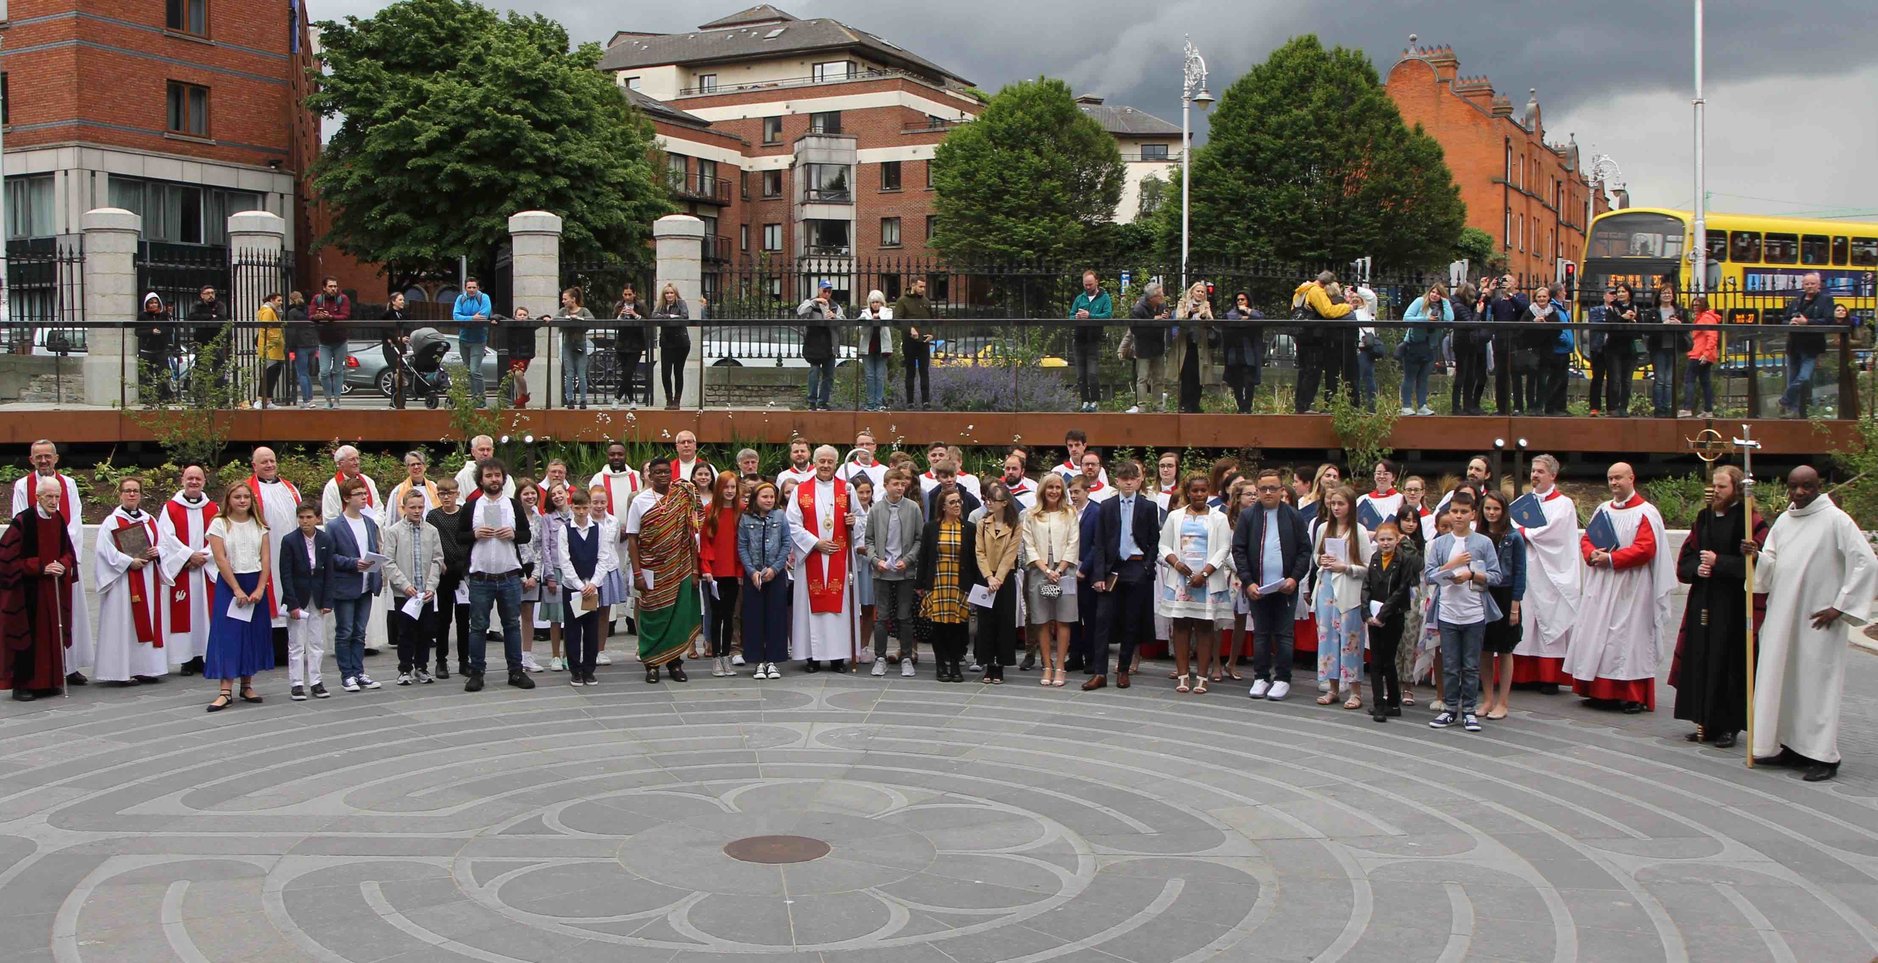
pixel 366 369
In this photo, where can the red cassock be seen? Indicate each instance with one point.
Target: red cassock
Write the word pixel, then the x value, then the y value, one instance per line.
pixel 35 610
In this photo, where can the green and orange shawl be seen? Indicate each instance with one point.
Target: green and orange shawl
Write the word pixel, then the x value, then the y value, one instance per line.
pixel 670 614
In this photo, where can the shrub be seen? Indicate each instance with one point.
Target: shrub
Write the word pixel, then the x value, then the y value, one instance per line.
pixel 992 388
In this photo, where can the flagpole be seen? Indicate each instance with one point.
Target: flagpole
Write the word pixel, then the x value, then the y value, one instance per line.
pixel 1747 444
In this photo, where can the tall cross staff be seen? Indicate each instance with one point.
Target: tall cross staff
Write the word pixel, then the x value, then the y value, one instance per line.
pixel 1709 446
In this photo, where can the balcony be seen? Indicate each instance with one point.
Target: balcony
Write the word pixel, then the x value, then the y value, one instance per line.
pixel 1149 157
pixel 814 81
pixel 717 248
pixel 699 187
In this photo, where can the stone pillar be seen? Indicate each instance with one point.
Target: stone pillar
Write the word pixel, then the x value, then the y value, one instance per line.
pixel 111 294
pixel 535 283
pixel 256 240
pixel 678 243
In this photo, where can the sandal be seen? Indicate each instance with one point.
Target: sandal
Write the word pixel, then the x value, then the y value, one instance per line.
pixel 1046 676
pixel 1495 718
pixel 248 696
pixel 1183 686
pixel 222 701
pixel 1356 702
pixel 1060 680
pixel 1408 697
pixel 1199 688
pixel 1234 675
pixel 1325 699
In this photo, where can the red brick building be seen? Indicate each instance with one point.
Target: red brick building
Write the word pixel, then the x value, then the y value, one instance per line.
pixel 184 111
pixel 1532 196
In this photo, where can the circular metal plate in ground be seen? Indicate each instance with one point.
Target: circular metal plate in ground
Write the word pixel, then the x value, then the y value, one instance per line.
pixel 776 849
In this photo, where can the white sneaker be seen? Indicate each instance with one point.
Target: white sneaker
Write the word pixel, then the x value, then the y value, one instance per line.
pixel 602 659
pixel 528 662
pixel 1260 688
pixel 737 659
pixel 1133 410
pixel 1406 410
pixel 1425 410
pixel 404 678
pixel 718 668
pixel 557 664
pixel 880 668
pixel 773 672
pixel 365 682
pixel 350 685
pixel 1279 691
pixel 906 669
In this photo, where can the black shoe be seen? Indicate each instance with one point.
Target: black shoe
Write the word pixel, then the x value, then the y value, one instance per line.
pixel 1395 712
pixel 443 670
pixel 520 679
pixel 1632 708
pixel 652 674
pixel 1073 665
pixel 1821 771
pixel 1725 741
pixel 1548 688
pixel 22 695
pixel 319 691
pixel 370 651
pixel 77 678
pixel 676 672
pixel 1380 715
pixel 589 679
pixel 148 679
pixel 812 666
pixel 1029 663
pixel 474 683
pixel 838 665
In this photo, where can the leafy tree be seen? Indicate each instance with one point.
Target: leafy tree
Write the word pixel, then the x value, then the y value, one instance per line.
pixel 1153 194
pixel 1477 248
pixel 1309 159
pixel 1032 178
pixel 455 117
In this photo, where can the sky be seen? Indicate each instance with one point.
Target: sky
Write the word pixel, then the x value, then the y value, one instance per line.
pixel 1617 73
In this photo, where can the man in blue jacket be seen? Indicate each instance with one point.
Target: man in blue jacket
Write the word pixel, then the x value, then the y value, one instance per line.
pixel 1121 573
pixel 1271 551
pixel 471 313
pixel 1092 303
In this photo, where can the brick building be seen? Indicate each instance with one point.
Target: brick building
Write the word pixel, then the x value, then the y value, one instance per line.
pixel 1532 196
pixel 184 111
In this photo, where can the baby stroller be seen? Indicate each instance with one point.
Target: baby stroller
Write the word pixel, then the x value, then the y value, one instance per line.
pixel 424 372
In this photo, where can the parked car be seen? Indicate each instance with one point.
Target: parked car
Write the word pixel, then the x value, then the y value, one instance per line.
pixel 366 369
pixel 762 345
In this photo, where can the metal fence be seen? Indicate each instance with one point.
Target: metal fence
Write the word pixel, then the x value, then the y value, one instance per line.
pixel 45 292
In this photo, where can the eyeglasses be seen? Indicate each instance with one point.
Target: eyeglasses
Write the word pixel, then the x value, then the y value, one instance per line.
pixel 1271 488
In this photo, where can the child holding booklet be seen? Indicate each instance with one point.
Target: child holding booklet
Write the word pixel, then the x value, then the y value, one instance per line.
pixel 414 566
pixel 1395 570
pixel 1462 564
pixel 306 567
pixel 586 557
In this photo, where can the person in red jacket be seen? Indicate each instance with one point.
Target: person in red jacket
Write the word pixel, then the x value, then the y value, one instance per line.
pixel 1704 352
pixel 721 571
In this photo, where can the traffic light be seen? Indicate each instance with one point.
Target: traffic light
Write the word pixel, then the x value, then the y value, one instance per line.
pixel 1571 281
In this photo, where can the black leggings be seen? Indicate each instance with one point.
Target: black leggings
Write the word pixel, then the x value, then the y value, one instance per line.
pixel 949 640
pixel 629 371
pixel 723 612
pixel 1385 689
pixel 270 378
pixel 672 355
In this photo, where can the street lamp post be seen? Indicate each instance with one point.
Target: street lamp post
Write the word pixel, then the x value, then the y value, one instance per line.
pixel 1192 91
pixel 1699 259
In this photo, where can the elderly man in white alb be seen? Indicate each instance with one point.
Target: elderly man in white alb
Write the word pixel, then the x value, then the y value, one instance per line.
pixel 346 459
pixel 277 501
pixel 1553 572
pixel 825 528
pixel 1624 615
pixel 468 482
pixel 45 461
pixel 182 534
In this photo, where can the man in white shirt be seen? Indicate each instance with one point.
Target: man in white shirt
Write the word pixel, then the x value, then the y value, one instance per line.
pixel 496 528
pixel 621 481
pixel 44 457
pixel 482 448
pixel 277 502
pixel 687 460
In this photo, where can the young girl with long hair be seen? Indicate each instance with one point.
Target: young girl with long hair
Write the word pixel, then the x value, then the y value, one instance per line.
pixel 1336 596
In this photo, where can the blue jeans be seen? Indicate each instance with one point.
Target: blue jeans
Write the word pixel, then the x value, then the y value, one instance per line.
pixel 332 369
pixel 1365 379
pixel 1662 383
pixel 1460 664
pixel 1800 367
pixel 303 372
pixel 1273 641
pixel 1698 374
pixel 472 352
pixel 874 366
pixel 574 362
pixel 821 382
pixel 1415 376
pixel 507 595
pixel 349 618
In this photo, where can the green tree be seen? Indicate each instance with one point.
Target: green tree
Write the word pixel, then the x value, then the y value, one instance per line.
pixel 1307 158
pixel 1033 178
pixel 1477 248
pixel 455 117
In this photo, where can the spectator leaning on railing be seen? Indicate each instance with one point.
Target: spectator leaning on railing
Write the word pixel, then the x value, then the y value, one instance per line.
pixel 471 313
pixel 818 343
pixel 207 316
pixel 329 312
pixel 1092 303
pixel 1149 343
pixel 1417 350
pixel 674 342
pixel 518 340
pixel 574 321
pixel 1812 306
pixel 629 342
pixel 1245 351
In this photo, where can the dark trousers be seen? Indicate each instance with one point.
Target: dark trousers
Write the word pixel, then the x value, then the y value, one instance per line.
pixel 1190 379
pixel 997 629
pixel 893 609
pixel 1311 361
pixel 949 640
pixel 1698 376
pixel 1272 617
pixel 1385 689
pixel 1470 373
pixel 1088 359
pixel 918 357
pixel 394 624
pixel 628 368
pixel 270 379
pixel 280 646
pixel 723 613
pixel 1126 611
pixel 672 355
pixel 413 640
pixel 1597 374
pixel 766 622
pixel 1503 374
pixel 1619 366
pixel 580 639
pixel 448 611
pixel 1243 379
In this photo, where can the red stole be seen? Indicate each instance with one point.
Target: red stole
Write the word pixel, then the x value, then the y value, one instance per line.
pixel 149 631
pixel 260 507
pixel 612 501
pixel 340 477
pixel 828 574
pixel 179 599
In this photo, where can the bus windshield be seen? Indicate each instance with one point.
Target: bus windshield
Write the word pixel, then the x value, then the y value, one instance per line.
pixel 1638 235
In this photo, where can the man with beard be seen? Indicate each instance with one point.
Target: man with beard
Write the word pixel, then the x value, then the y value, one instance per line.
pixel 621 481
pixel 495 527
pixel 44 457
pixel 130 594
pixel 800 469
pixel 182 533
pixel 38 572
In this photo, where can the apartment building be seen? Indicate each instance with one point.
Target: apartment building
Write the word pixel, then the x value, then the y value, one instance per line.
pixel 1150 147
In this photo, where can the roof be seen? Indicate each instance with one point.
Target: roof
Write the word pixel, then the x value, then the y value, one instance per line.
pixel 1127 121
pixel 761 13
pixel 662 110
pixel 765 40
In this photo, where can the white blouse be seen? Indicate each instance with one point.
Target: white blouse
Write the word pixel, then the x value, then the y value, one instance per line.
pixel 241 542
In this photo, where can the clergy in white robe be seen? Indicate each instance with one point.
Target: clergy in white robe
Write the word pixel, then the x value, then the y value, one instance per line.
pixel 1816 568
pixel 278 502
pixel 1554 569
pixel 346 459
pixel 182 532
pixel 45 460
pixel 482 448
pixel 821 514
pixel 130 597
pixel 1625 617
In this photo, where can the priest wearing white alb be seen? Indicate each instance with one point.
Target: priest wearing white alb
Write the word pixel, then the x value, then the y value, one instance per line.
pixel 469 480
pixel 1817 569
pixel 1624 616
pixel 130 595
pixel 182 538
pixel 44 457
pixel 621 481
pixel 825 528
pixel 346 459
pixel 1554 567
pixel 277 501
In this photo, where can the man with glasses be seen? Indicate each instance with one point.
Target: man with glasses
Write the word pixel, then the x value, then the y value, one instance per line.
pixel 208 315
pixel 1271 550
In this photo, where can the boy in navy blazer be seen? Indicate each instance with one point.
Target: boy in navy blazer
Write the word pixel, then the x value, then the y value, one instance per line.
pixel 306 597
pixel 1121 573
pixel 354 583
pixel 1082 634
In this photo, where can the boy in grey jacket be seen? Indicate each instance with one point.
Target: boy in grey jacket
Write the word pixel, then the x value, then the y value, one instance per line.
pixel 414 567
pixel 891 544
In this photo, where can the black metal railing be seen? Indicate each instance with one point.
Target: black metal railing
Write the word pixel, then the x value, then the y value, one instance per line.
pixel 700 187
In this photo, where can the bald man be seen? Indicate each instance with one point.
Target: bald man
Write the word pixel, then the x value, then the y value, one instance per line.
pixel 1624 614
pixel 278 502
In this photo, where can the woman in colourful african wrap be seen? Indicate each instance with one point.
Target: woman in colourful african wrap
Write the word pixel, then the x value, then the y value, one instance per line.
pixel 670 614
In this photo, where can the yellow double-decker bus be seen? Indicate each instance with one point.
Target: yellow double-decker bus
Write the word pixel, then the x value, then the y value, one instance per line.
pixel 1755 262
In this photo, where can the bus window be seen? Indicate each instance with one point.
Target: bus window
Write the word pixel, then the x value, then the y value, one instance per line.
pixel 1782 249
pixel 1839 250
pixel 1717 246
pixel 1865 252
pixel 1744 247
pixel 1638 235
pixel 1814 249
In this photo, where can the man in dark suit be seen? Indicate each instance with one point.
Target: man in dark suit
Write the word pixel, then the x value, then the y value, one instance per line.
pixel 1082 634
pixel 1121 573
pixel 1271 549
pixel 306 597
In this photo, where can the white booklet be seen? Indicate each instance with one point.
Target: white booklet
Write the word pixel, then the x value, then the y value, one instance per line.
pixel 980 596
pixel 240 612
pixel 414 606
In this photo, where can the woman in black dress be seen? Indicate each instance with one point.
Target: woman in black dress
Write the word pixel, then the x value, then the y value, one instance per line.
pixel 1710 668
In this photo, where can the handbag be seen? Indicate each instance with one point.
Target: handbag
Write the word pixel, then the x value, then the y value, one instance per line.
pixel 1047 589
pixel 1126 350
pixel 1372 343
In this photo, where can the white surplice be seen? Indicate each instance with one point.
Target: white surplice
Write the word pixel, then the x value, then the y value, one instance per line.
pixel 820 635
pixel 1625 617
pixel 1554 569
pixel 279 504
pixel 120 655
pixel 83 649
pixel 190 641
pixel 1815 558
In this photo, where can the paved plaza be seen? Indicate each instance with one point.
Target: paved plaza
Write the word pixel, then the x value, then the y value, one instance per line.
pixel 917 822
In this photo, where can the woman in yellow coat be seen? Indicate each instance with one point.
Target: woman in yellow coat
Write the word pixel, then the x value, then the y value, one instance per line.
pixel 271 344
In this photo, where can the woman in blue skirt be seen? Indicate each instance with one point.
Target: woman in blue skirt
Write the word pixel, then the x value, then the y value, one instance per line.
pixel 241 636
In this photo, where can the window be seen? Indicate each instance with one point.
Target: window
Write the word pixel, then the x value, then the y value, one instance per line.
pixel 181 213
pixel 632 83
pixel 707 82
pixel 675 170
pixel 743 184
pixel 189 109
pixel 1839 249
pixel 1153 152
pixel 1782 249
pixel 890 176
pixel 1519 231
pixel 1509 228
pixel 828 237
pixel 1865 252
pixel 929 175
pixel 772 130
pixel 188 16
pixel 772 183
pixel 825 122
pixel 772 237
pixel 6 100
pixel 1718 247
pixel 1744 246
pixel 1815 249
pixel 832 70
pixel 889 232
pixel 827 182
pixel 1508 176
pixel 707 177
pixel 743 238
pixel 29 206
pixel 932 225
